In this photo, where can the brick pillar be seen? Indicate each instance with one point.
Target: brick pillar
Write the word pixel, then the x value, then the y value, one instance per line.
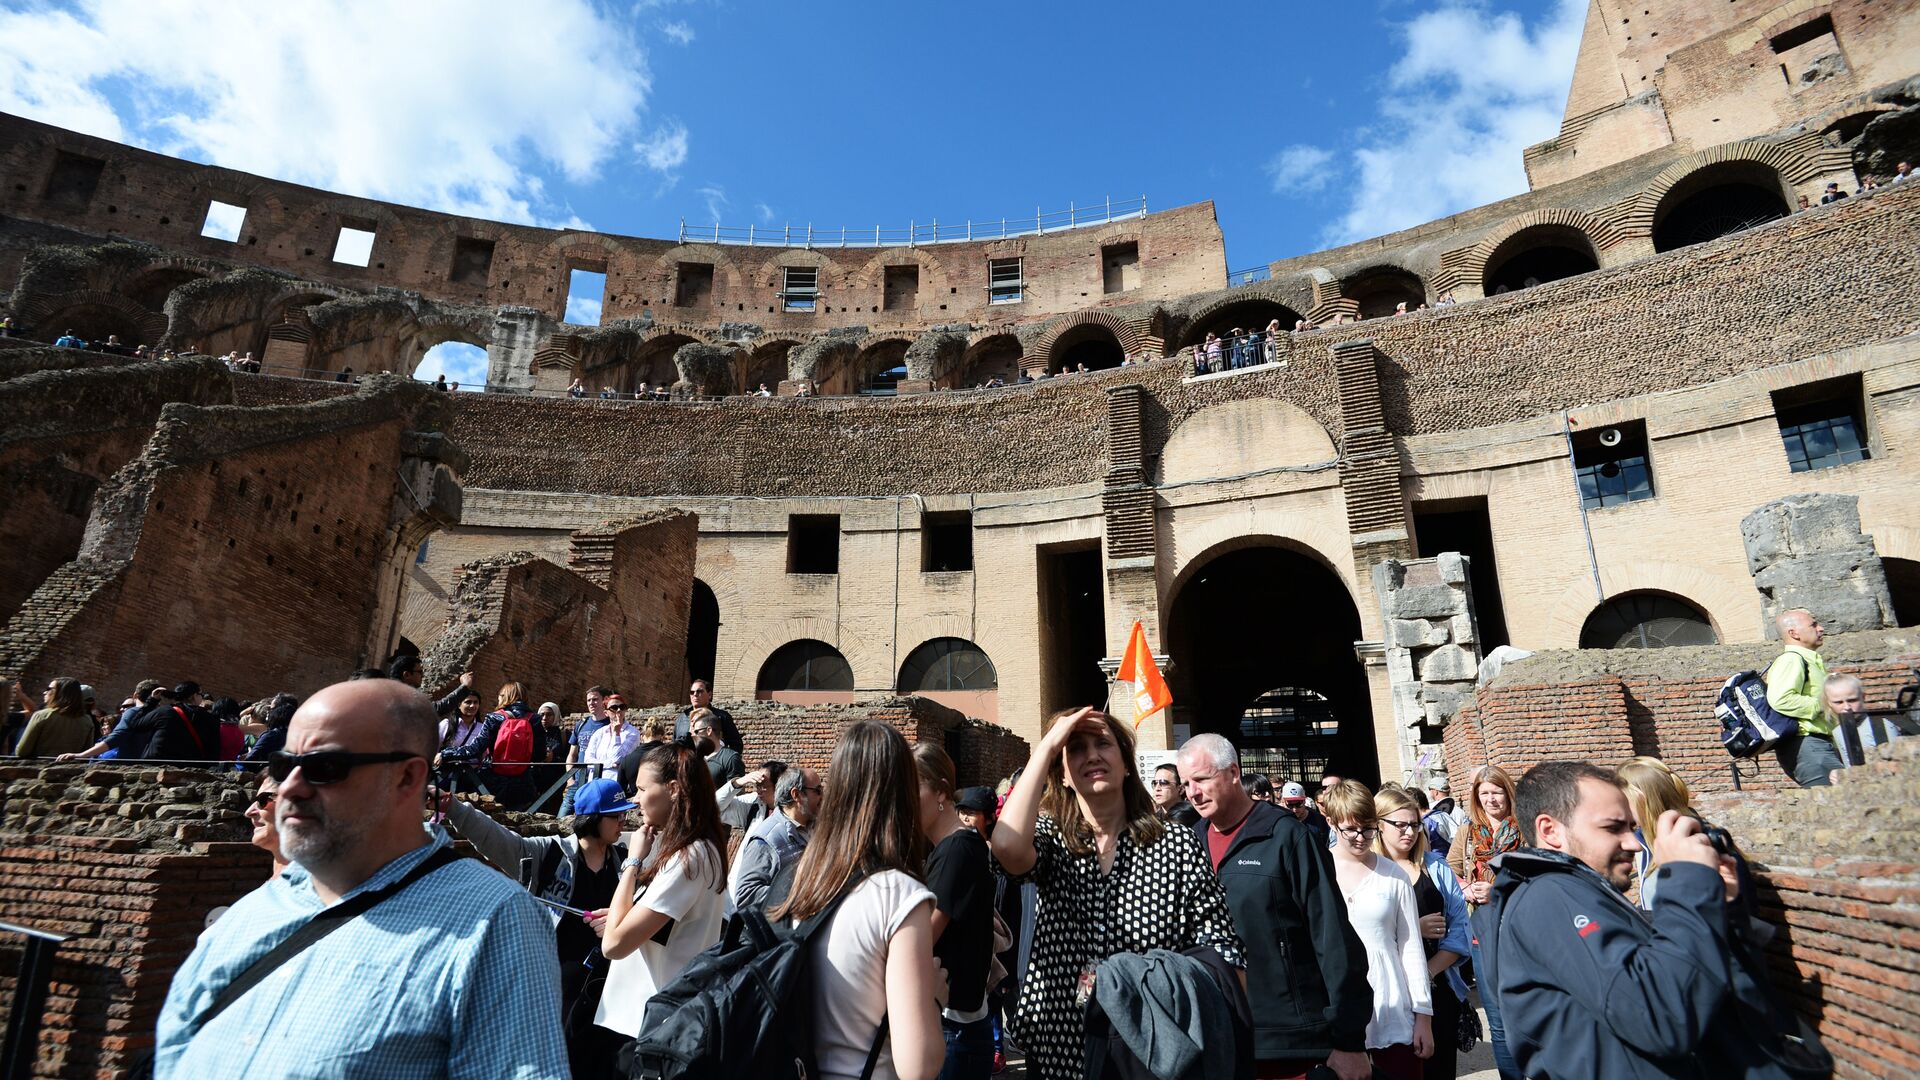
pixel 514 355
pixel 1133 588
pixel 287 345
pixel 1369 460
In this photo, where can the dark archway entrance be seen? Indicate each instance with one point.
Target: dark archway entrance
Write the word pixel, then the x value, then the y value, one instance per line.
pixel 1090 344
pixel 1903 583
pixel 703 632
pixel 1716 202
pixel 1536 256
pixel 1380 291
pixel 1262 646
pixel 1252 315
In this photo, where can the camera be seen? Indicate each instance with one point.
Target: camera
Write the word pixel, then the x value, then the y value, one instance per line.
pixel 1721 839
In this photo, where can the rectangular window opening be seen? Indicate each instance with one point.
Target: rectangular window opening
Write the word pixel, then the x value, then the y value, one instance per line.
pixel 1072 625
pixel 74 179
pixel 813 544
pixel 1465 526
pixel 472 260
pixel 354 245
pixel 586 294
pixel 1823 424
pixel 946 541
pixel 693 285
pixel 1120 267
pixel 1004 283
pixel 224 221
pixel 1811 30
pixel 1612 465
pixel 799 288
pixel 901 290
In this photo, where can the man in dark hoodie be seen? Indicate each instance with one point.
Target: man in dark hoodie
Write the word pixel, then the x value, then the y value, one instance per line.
pixel 1590 985
pixel 1306 969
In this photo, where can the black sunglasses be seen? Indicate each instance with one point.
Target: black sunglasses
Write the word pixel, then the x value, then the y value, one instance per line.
pixel 616 708
pixel 265 799
pixel 327 766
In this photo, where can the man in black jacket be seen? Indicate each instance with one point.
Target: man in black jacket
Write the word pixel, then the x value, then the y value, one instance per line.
pixel 1590 985
pixel 1306 968
pixel 176 727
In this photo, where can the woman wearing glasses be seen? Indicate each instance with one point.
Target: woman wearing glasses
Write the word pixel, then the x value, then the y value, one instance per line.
pixel 266 836
pixel 1444 931
pixel 1381 907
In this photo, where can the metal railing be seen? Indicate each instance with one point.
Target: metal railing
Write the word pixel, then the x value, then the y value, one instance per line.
pixel 1232 353
pixel 916 233
pixel 29 1004
pixel 1237 278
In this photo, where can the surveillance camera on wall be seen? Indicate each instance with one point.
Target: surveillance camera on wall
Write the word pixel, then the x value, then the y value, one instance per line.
pixel 1611 437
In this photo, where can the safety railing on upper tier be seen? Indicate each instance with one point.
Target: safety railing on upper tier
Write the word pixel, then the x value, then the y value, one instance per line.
pixel 917 233
pixel 1237 278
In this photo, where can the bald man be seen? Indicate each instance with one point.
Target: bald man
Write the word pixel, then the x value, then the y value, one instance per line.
pixel 1796 681
pixel 452 974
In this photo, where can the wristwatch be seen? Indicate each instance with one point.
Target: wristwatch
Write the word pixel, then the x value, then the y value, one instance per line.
pixel 630 864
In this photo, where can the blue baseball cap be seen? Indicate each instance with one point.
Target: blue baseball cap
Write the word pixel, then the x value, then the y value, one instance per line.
pixel 601 796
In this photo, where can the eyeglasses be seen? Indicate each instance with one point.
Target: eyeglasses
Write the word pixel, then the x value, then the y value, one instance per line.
pixel 1403 826
pixel 265 799
pixel 1358 834
pixel 616 708
pixel 1157 782
pixel 821 790
pixel 323 767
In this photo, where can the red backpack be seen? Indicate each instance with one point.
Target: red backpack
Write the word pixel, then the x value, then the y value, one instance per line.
pixel 512 745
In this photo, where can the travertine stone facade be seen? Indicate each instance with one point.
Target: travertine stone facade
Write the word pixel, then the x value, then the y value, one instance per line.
pixel 1807 551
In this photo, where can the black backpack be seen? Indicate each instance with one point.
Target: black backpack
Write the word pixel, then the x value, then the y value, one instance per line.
pixel 744 1007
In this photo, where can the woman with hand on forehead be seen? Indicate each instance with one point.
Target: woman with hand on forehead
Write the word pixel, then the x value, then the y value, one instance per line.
pixel 1112 878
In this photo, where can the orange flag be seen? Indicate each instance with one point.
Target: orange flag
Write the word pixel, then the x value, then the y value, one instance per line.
pixel 1150 693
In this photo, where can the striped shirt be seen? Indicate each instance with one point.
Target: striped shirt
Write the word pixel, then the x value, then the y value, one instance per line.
pixel 453 977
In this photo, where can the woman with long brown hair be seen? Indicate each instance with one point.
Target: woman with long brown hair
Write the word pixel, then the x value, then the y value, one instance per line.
pixel 874 959
pixel 1112 878
pixel 1490 831
pixel 676 871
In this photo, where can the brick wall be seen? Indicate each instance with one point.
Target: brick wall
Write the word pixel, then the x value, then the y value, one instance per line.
pixel 248 549
pixel 1608 705
pixel 128 861
pixel 1839 875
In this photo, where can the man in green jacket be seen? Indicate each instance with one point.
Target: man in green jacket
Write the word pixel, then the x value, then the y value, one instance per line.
pixel 1796 682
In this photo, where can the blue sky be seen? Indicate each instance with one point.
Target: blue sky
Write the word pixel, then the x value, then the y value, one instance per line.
pixel 1308 125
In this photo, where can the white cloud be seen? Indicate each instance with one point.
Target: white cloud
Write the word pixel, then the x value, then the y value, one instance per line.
pixel 458 361
pixel 665 150
pixel 1299 168
pixel 1472 90
pixel 343 94
pixel 765 212
pixel 678 32
pixel 716 199
pixel 583 311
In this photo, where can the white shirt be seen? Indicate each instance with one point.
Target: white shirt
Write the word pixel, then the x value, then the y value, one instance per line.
pixel 604 747
pixel 850 973
pixel 1387 920
pixel 687 890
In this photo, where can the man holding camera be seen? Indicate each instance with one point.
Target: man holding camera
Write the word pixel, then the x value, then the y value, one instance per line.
pixel 1589 985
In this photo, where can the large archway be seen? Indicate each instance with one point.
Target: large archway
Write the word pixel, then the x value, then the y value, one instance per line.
pixel 1382 289
pixel 994 357
pixel 703 632
pixel 1089 343
pixel 1262 646
pixel 880 366
pixel 1537 255
pixel 1717 201
pixel 1903 587
pixel 1252 314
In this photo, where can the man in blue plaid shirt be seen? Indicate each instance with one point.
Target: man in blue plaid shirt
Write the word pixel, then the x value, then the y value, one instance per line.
pixel 453 976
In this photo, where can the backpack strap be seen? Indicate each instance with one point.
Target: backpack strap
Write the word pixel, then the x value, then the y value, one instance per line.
pixel 310 933
pixel 873 1053
pixel 187 722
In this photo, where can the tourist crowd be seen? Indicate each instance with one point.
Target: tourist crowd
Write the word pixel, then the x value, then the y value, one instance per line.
pixel 1195 921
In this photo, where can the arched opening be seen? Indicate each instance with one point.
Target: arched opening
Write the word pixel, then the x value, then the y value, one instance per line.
pixel 990 358
pixel 767 364
pixel 882 365
pixel 95 324
pixel 956 673
pixel 1382 290
pixel 805 672
pixel 1090 344
pixel 1847 128
pixel 652 363
pixel 1537 255
pixel 703 632
pixel 151 289
pixel 1259 617
pixel 1717 201
pixel 1646 620
pixel 1251 315
pixel 1903 583
pixel 463 365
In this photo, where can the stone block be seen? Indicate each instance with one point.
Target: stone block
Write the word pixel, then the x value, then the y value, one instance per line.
pixel 1449 663
pixel 1415 634
pixel 1426 602
pixel 1463 631
pixel 1452 567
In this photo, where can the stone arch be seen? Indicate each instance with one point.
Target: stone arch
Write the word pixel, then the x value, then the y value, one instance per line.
pixel 991 355
pixel 92 314
pixel 1251 313
pixel 878 355
pixel 822 360
pixel 1058 340
pixel 1725 602
pixel 1376 290
pixel 954 671
pixel 319 223
pixel 153 284
pixel 1518 233
pixel 1600 628
pixel 663 268
pixel 1769 166
pixel 767 274
pixel 872 273
pixel 476 330
pixel 1221 538
pixel 872 664
pixel 766 362
pixel 1231 437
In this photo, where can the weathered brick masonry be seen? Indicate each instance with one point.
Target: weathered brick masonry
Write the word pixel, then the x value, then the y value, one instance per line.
pixel 1606 705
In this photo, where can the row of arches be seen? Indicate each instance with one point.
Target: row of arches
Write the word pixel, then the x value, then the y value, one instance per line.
pixel 937 666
